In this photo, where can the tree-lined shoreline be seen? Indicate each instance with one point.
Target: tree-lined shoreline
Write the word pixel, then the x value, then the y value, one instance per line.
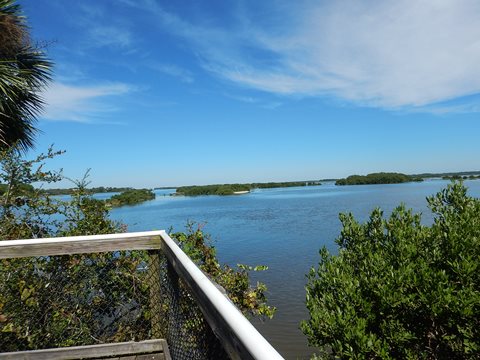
pixel 232 189
pixel 378 178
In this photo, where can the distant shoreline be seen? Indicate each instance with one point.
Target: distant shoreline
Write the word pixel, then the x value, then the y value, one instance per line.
pixel 465 175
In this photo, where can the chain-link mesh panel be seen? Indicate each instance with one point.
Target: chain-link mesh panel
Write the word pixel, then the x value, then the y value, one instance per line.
pixel 188 334
pixel 75 300
pixel 56 301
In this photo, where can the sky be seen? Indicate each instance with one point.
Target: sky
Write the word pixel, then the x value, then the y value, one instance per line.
pixel 150 93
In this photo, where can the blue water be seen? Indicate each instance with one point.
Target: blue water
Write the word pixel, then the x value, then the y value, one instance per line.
pixel 283 229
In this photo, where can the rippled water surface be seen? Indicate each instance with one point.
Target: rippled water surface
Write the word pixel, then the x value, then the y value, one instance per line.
pixel 283 229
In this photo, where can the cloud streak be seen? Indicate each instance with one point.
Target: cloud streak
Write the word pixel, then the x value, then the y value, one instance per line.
pixel 84 104
pixel 101 29
pixel 389 54
pixel 182 74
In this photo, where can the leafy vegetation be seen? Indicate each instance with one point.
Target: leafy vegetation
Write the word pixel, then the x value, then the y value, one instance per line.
pixel 377 178
pixel 25 189
pixel 131 197
pixel 24 71
pixel 399 289
pixel 231 189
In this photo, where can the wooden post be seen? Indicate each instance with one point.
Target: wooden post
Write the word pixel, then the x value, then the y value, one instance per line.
pixel 157 320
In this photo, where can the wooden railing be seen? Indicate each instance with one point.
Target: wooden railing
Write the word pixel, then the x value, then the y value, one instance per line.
pixel 236 334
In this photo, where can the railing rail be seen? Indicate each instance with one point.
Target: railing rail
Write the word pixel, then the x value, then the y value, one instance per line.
pixel 238 336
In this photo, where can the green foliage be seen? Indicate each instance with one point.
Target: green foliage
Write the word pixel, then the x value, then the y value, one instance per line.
pixel 377 178
pixel 131 197
pixel 26 212
pixel 250 300
pixel 63 300
pixel 71 300
pixel 231 189
pixel 398 289
pixel 24 72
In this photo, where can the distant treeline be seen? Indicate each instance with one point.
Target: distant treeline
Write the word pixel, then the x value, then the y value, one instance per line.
pixel 461 177
pixel 448 175
pixel 231 189
pixel 95 190
pixel 127 197
pixel 377 178
pixel 24 189
pixel 131 197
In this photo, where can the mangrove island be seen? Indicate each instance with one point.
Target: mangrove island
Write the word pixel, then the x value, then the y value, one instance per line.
pixel 377 178
pixel 237 189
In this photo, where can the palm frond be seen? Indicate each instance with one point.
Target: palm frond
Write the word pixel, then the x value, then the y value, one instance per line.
pixel 24 72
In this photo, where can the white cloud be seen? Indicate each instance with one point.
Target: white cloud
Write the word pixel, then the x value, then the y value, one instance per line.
pixel 81 103
pixel 390 54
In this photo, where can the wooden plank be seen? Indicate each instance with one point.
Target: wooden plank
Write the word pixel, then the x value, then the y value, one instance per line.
pixel 88 352
pixel 166 350
pixel 156 356
pixel 149 240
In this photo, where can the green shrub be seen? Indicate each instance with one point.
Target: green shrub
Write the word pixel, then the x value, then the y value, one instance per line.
pixel 399 289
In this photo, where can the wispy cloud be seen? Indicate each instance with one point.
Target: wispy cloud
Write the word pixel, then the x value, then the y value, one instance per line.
pixel 109 36
pixel 393 54
pixel 101 29
pixel 182 74
pixel 85 104
pixel 266 104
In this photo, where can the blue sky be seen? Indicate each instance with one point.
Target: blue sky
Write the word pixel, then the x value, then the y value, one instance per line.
pixel 156 93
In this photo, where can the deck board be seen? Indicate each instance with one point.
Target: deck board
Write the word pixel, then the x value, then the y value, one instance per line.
pixel 144 350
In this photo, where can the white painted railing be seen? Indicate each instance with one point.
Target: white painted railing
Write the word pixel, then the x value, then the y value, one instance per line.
pixel 238 336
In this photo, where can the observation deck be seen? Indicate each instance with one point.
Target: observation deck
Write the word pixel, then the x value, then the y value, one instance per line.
pixel 116 296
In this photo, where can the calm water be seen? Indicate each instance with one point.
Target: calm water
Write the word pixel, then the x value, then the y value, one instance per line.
pixel 283 229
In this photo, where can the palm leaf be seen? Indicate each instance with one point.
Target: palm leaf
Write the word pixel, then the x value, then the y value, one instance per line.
pixel 24 72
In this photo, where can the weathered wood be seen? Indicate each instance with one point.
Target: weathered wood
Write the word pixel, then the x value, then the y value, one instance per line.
pixel 156 356
pixel 92 351
pixel 154 283
pixel 166 350
pixel 80 244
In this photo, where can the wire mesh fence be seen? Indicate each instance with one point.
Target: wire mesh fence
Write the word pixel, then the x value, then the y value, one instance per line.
pixel 188 334
pixel 87 299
